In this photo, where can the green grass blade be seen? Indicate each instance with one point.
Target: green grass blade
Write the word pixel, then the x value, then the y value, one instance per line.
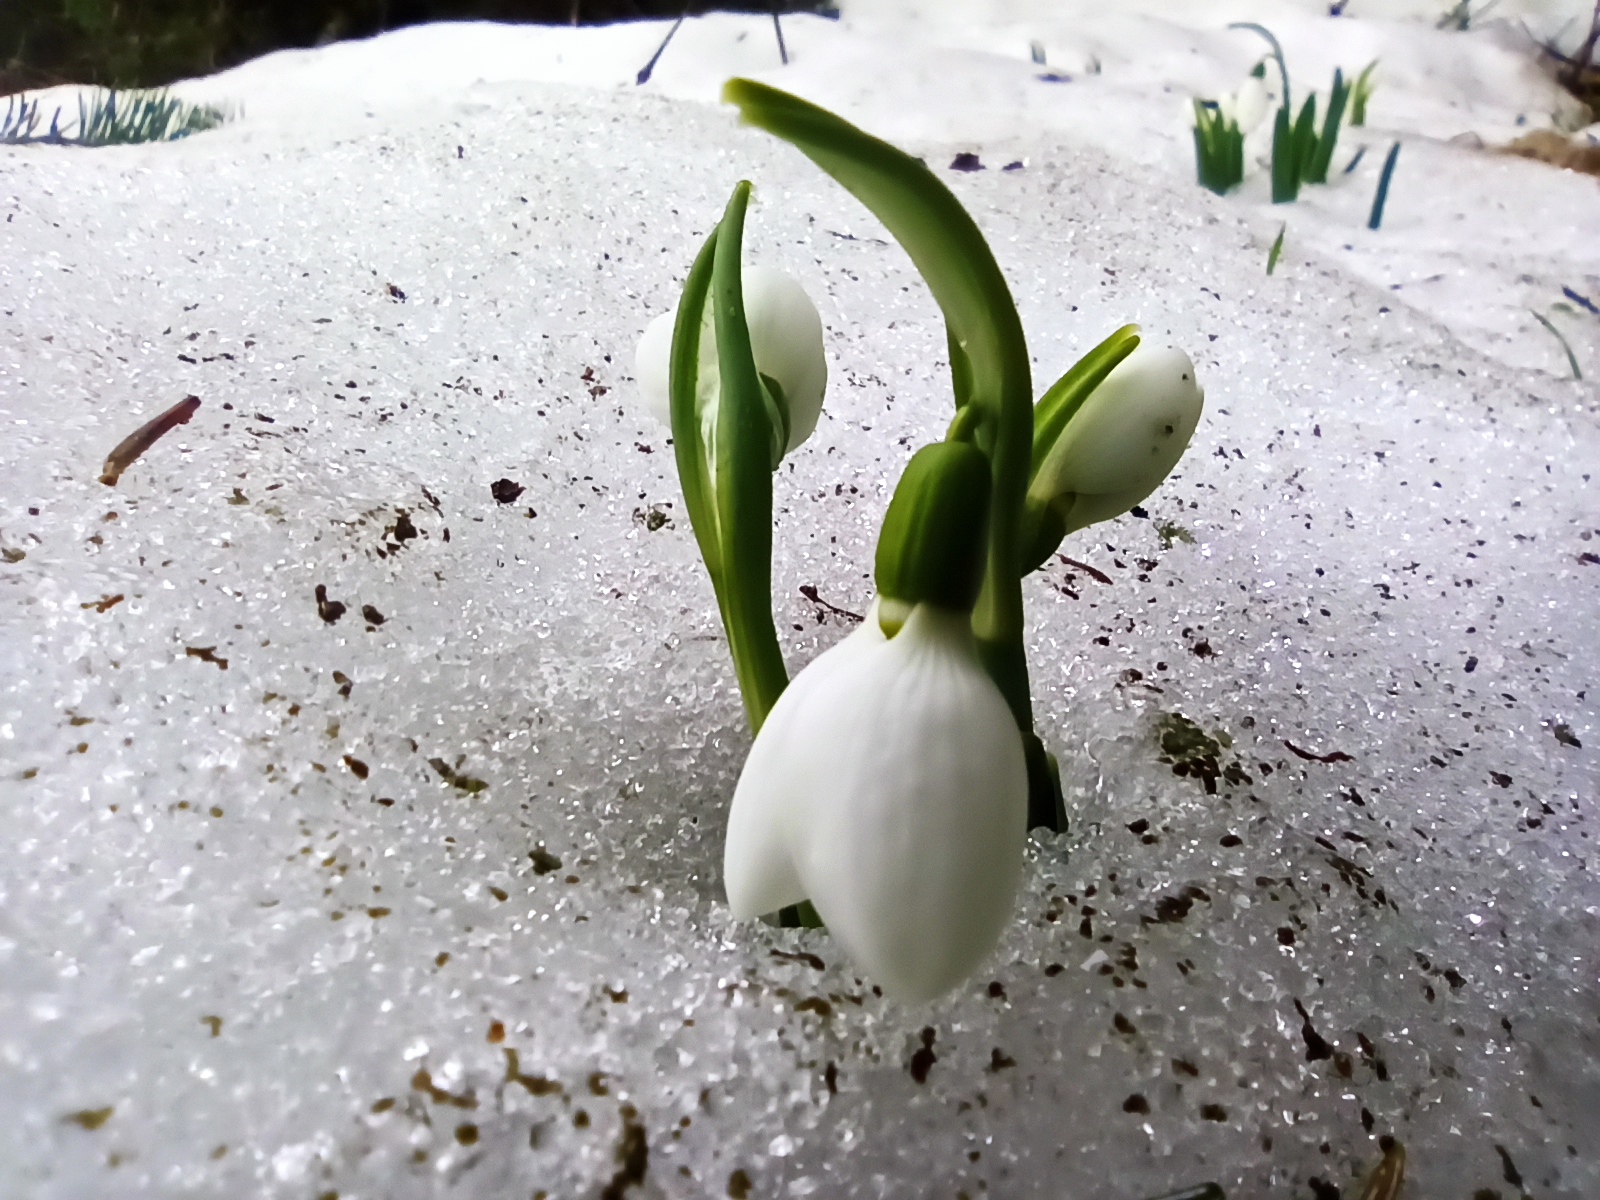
pixel 1277 248
pixel 1382 195
pixel 1305 137
pixel 1572 359
pixel 1361 93
pixel 1285 167
pixel 1322 155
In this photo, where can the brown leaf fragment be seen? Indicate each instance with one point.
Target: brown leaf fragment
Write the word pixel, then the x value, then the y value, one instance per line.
pixel 105 603
pixel 206 654
pixel 422 1082
pixel 90 1118
pixel 1309 756
pixel 455 779
pixel 129 449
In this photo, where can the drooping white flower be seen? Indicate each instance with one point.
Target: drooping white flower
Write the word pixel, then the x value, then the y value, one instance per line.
pixel 1248 106
pixel 889 787
pixel 1124 441
pixel 785 338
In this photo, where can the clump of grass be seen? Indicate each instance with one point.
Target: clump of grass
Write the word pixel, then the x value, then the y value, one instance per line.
pixel 1459 15
pixel 110 118
pixel 1300 154
pixel 1316 165
pixel 1218 148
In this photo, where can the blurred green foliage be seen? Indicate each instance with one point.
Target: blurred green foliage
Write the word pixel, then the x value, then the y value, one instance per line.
pixel 149 43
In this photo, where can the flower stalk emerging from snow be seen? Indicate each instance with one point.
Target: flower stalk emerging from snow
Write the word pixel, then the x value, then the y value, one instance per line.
pixel 891 786
pixel 741 387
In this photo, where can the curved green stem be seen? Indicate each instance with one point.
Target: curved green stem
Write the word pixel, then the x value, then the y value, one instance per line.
pixel 989 356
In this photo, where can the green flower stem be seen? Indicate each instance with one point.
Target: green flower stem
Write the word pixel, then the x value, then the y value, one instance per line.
pixel 743 480
pixel 989 356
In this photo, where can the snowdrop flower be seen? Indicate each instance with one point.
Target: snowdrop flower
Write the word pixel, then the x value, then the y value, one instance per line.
pixel 1247 107
pixel 888 787
pixel 785 337
pixel 888 784
pixel 1124 441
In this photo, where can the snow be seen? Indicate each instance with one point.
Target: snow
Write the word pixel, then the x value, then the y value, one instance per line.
pixel 265 914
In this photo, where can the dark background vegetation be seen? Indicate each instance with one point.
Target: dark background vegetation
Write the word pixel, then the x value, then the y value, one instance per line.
pixel 147 43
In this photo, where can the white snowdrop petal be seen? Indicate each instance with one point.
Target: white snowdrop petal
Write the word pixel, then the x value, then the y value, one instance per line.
pixel 786 339
pixel 895 774
pixel 653 367
pixel 913 856
pixel 778 783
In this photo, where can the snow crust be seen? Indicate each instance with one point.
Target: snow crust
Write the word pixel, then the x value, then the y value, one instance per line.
pixel 419 896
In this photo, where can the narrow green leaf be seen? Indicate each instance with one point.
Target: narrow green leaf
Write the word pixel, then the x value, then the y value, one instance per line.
pixel 1381 197
pixel 1285 168
pixel 689 448
pixel 1572 359
pixel 1322 156
pixel 1277 248
pixel 1361 93
pixel 1305 137
pixel 743 479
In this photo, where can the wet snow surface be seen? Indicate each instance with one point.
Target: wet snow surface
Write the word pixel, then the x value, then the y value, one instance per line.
pixel 364 754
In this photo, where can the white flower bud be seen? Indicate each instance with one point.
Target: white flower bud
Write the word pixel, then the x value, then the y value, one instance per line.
pixel 1248 106
pixel 785 338
pixel 1124 441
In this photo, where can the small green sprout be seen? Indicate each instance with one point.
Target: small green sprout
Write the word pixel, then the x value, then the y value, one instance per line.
pixel 1362 92
pixel 1277 248
pixel 1218 148
pixel 1316 166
